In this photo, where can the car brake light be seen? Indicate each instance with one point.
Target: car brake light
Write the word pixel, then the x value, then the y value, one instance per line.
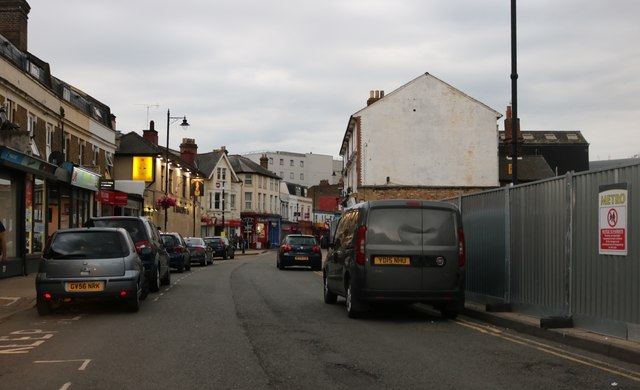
pixel 461 251
pixel 316 248
pixel 286 248
pixel 140 245
pixel 359 244
pixel 47 296
pixel 179 249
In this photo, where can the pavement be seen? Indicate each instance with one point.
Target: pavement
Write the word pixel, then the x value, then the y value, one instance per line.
pixel 18 294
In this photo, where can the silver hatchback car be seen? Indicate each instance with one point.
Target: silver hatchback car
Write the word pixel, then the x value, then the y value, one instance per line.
pixel 89 263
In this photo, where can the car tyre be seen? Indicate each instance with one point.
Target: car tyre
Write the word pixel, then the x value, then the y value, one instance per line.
pixel 154 284
pixel 329 297
pixel 203 263
pixel 181 268
pixel 353 310
pixel 279 265
pixel 144 289
pixel 133 303
pixel 43 306
pixel 167 278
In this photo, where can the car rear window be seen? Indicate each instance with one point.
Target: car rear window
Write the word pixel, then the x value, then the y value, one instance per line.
pixel 411 226
pixel 302 241
pixel 134 227
pixel 90 244
pixel 194 241
pixel 169 240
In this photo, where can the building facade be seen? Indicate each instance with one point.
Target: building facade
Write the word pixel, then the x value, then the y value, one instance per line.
pixel 306 169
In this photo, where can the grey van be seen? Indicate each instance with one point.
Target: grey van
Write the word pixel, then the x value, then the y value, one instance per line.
pixel 397 251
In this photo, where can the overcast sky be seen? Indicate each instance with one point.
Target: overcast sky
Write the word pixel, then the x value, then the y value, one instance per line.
pixel 286 75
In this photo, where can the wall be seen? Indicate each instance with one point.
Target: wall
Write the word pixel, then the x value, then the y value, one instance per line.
pixel 535 246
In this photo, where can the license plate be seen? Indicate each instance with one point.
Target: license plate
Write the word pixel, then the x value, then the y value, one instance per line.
pixel 85 286
pixel 302 258
pixel 391 260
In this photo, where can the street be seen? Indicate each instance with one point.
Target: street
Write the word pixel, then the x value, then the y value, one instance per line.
pixel 243 324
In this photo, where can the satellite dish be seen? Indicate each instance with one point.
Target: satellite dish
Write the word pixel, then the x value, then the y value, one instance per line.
pixel 56 158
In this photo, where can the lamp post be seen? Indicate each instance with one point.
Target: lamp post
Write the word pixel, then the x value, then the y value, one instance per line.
pixel 514 94
pixel 184 125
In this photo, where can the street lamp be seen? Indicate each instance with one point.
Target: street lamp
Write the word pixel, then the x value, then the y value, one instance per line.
pixel 184 125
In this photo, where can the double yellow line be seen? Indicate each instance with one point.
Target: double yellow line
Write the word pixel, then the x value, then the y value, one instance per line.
pixel 576 358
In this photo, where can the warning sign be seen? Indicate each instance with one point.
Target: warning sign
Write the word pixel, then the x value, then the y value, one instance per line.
pixel 612 203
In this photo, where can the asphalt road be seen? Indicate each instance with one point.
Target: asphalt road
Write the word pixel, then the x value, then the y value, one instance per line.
pixel 243 324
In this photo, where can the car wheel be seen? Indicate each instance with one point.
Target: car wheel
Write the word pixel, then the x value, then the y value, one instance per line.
pixel 329 297
pixel 225 256
pixel 352 303
pixel 43 306
pixel 154 284
pixel 233 255
pixel 144 290
pixel 203 262
pixel 279 265
pixel 133 303
pixel 181 268
pixel 188 266
pixel 167 278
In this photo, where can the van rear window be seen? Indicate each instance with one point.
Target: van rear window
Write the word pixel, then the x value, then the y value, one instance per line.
pixel 411 226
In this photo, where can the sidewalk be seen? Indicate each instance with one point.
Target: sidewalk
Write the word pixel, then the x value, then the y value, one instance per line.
pixel 18 294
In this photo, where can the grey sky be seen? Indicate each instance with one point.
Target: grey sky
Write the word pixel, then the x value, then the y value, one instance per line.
pixel 286 75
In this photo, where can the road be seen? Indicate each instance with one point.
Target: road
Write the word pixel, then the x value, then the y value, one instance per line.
pixel 243 324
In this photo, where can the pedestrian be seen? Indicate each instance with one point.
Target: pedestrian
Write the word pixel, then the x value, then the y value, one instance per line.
pixel 241 243
pixel 3 247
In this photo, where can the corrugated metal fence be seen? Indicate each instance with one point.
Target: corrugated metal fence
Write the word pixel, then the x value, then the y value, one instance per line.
pixel 536 246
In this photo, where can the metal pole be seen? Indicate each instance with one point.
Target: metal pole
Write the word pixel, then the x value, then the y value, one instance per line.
pixel 166 169
pixel 514 95
pixel 223 226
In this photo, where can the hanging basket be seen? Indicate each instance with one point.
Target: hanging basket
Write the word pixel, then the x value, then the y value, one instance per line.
pixel 165 202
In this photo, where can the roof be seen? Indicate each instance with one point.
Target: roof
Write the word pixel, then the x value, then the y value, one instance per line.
pixel 133 144
pixel 530 168
pixel 207 162
pixel 242 164
pixel 549 137
pixel 609 164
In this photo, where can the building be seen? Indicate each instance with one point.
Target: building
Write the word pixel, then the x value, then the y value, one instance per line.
pixel 296 209
pixel 326 200
pixel 541 153
pixel 305 169
pixel 56 143
pixel 221 197
pixel 260 197
pixel 169 201
pixel 424 140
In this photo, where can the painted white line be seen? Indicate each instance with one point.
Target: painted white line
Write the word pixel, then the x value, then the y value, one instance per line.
pixel 11 300
pixel 66 386
pixel 83 366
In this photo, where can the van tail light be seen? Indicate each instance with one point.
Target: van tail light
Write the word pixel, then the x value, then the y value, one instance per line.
pixel 461 249
pixel 359 244
pixel 140 245
pixel 316 248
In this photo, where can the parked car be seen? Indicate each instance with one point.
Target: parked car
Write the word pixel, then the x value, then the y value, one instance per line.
pixel 150 247
pixel 299 250
pixel 397 251
pixel 200 252
pixel 220 247
pixel 179 253
pixel 93 263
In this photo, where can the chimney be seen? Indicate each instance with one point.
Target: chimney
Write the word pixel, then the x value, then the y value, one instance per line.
pixel 507 126
pixel 150 135
pixel 374 96
pixel 222 149
pixel 264 161
pixel 188 150
pixel 13 22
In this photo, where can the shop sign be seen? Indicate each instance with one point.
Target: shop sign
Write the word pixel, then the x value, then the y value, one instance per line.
pixel 612 213
pixel 115 198
pixel 142 168
pixel 26 161
pixel 84 179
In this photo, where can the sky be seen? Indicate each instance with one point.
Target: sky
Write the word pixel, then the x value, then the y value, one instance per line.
pixel 286 75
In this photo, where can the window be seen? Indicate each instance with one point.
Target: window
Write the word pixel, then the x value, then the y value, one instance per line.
pixel 217 204
pixel 96 152
pixel 572 136
pixel 248 199
pixel 290 163
pixel 109 161
pixel 291 175
pixel 81 147
pixel 34 70
pixel 248 180
pixel 31 124
pixel 66 94
pixel 222 174
pixel 302 176
pixel 550 136
pixel 232 201
pixel 301 164
pixel 270 160
pixel 49 140
pixel 281 161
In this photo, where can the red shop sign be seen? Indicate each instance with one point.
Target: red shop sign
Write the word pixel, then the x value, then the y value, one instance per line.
pixel 115 198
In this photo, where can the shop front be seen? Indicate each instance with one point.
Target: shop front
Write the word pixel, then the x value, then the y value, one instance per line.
pixel 261 231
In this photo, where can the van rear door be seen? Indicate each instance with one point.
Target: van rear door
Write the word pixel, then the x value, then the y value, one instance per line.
pixel 440 249
pixel 394 249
